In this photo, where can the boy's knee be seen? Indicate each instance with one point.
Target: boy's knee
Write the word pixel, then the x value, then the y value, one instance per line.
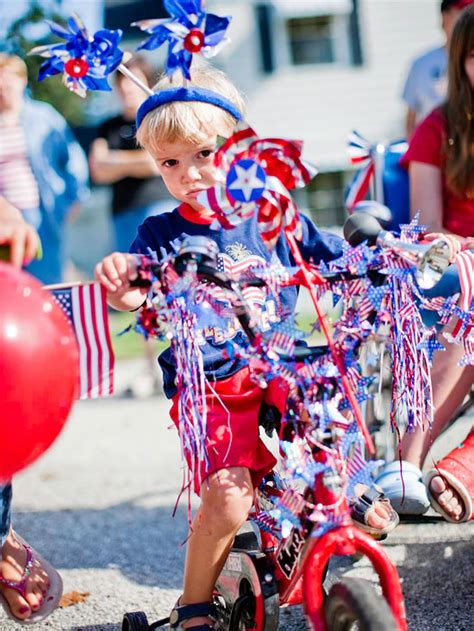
pixel 227 498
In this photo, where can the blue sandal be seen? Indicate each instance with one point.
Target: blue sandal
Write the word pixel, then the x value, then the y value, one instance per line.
pixel 360 508
pixel 180 613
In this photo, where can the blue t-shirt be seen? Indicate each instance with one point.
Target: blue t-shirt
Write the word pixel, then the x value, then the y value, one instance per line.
pixel 427 82
pixel 240 248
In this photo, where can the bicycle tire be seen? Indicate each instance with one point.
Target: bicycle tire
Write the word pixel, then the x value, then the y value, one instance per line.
pixel 135 621
pixel 353 605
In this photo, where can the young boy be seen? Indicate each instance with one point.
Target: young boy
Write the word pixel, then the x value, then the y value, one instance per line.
pixel 181 136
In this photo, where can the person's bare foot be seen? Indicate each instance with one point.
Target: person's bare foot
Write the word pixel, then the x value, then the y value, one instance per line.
pixel 379 514
pixel 447 497
pixel 12 566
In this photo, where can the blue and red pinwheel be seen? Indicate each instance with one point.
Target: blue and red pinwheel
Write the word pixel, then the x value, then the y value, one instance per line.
pixel 256 175
pixel 84 61
pixel 190 30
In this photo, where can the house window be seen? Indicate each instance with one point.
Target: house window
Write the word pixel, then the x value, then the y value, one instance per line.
pixel 323 199
pixel 311 40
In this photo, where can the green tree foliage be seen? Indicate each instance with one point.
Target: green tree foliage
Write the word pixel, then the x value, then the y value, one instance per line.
pixel 21 38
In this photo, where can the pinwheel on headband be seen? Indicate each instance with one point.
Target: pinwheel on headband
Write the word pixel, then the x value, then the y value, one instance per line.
pixel 190 30
pixel 256 175
pixel 84 61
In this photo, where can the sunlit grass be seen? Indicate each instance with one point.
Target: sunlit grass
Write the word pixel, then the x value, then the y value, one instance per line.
pixel 130 344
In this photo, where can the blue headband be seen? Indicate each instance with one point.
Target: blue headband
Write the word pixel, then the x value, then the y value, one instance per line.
pixel 186 94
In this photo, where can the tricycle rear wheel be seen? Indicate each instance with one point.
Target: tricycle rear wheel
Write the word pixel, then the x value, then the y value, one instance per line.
pixel 135 621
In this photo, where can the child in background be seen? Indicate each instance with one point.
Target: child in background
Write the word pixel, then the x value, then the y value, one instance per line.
pixel 181 135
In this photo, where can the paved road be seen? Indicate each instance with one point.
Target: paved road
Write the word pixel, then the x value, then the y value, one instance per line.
pixel 99 506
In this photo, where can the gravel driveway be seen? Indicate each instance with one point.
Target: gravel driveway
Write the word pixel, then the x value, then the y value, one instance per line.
pixel 99 506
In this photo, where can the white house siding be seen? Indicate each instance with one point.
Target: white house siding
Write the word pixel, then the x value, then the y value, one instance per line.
pixel 322 103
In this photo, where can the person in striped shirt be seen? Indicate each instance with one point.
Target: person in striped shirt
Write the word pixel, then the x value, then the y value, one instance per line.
pixel 43 170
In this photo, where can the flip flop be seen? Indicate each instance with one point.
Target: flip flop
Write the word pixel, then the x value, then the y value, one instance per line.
pixel 53 596
pixel 409 497
pixel 456 469
pixel 360 507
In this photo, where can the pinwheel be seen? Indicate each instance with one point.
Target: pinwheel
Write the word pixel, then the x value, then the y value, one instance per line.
pixel 256 175
pixel 190 30
pixel 84 61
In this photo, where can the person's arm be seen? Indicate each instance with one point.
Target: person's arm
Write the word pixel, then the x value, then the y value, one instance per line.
pixel 20 236
pixel 110 165
pixel 318 245
pixel 426 196
pixel 115 272
pixel 410 122
pixel 70 164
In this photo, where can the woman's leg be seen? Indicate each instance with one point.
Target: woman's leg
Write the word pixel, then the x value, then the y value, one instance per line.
pixel 450 384
pixel 5 511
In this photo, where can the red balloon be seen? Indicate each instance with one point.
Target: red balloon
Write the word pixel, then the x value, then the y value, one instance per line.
pixel 39 364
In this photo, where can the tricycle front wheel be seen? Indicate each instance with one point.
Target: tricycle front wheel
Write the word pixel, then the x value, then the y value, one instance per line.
pixel 354 605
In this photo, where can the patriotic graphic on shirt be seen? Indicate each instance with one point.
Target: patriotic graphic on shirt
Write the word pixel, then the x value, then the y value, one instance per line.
pixel 264 306
pixel 86 308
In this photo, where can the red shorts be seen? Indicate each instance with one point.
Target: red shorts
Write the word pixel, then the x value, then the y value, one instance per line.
pixel 232 426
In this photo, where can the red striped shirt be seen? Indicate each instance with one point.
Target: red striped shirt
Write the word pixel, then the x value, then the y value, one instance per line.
pixel 17 182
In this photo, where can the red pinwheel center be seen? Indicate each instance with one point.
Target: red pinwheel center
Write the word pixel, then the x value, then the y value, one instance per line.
pixel 76 68
pixel 194 41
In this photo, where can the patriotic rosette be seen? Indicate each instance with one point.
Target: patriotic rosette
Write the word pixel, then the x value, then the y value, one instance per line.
pixel 256 175
pixel 362 154
pixel 190 30
pixel 84 61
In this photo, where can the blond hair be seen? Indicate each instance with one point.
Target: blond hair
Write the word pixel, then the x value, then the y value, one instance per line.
pixel 190 121
pixel 15 64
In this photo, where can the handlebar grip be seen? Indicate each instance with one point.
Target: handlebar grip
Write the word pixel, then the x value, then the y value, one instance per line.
pixel 361 227
pixel 304 353
pixel 140 282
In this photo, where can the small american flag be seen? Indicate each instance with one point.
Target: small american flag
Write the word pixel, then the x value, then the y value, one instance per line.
pixel 86 308
pixel 465 263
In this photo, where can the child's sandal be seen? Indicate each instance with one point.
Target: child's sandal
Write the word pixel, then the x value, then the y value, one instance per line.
pixel 361 506
pixel 181 613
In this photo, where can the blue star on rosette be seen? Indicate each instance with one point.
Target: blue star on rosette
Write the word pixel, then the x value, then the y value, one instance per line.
pixel 84 61
pixel 246 181
pixel 262 171
pixel 188 31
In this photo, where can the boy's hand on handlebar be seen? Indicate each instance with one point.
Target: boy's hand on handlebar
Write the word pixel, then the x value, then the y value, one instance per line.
pixel 115 272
